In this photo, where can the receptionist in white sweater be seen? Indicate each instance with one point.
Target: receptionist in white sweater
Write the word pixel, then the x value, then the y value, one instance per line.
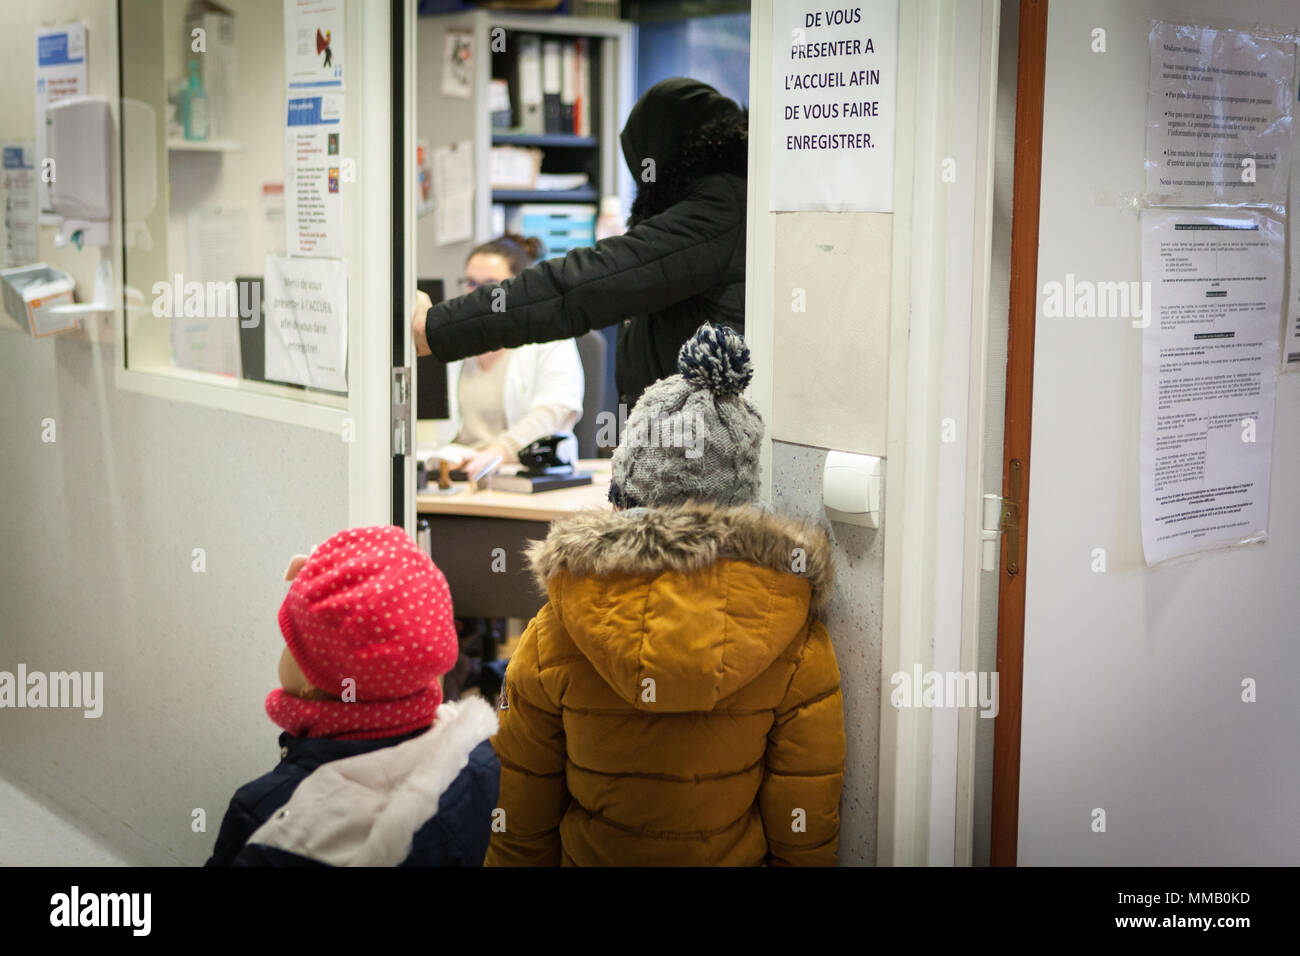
pixel 501 401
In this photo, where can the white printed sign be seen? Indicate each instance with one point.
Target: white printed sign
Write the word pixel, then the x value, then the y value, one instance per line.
pixel 1209 374
pixel 1291 327
pixel 834 80
pixel 1218 116
pixel 314 175
pixel 18 198
pixel 306 322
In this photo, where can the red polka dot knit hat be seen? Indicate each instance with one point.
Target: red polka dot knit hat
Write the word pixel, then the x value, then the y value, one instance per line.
pixel 371 608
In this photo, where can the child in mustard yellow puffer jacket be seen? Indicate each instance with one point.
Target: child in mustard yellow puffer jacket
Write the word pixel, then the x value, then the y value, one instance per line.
pixel 676 702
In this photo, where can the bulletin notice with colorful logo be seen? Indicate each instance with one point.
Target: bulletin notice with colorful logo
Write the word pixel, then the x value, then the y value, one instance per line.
pixel 314 174
pixel 313 44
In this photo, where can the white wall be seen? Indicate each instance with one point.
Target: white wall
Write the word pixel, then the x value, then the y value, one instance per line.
pixel 95 555
pixel 1133 677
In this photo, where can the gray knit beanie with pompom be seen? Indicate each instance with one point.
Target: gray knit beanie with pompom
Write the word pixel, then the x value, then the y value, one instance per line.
pixel 692 435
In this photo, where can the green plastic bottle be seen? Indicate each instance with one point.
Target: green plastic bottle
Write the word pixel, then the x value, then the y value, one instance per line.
pixel 196 106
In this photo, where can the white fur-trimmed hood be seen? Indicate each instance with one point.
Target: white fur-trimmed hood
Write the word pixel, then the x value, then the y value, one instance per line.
pixel 365 810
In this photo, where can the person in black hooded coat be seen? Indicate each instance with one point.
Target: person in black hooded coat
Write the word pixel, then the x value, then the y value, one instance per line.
pixel 681 262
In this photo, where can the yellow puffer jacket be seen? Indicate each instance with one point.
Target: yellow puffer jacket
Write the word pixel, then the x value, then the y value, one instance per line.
pixel 676 702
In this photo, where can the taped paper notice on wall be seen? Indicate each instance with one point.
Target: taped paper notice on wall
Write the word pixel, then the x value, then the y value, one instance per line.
pixel 205 320
pixel 1218 116
pixel 313 44
pixel 314 175
pixel 453 192
pixel 834 86
pixel 1291 320
pixel 306 322
pixel 18 196
pixel 60 73
pixel 458 64
pixel 1213 289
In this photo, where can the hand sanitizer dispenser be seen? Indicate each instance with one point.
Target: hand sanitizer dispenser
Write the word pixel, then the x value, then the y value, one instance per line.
pixel 80 141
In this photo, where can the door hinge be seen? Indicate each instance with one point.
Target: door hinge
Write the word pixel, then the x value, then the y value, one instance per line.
pixel 989 532
pixel 401 410
pixel 1002 520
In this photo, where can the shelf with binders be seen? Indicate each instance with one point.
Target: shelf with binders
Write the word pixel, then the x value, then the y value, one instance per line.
pixel 553 86
pixel 552 179
pixel 547 100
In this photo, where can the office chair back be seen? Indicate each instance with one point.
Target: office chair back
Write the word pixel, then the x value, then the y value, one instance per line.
pixel 592 349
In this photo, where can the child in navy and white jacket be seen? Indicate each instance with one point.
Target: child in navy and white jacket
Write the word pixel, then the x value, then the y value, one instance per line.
pixel 374 770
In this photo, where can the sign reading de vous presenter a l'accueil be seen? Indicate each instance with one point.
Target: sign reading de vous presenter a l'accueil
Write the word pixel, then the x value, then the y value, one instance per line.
pixel 834 69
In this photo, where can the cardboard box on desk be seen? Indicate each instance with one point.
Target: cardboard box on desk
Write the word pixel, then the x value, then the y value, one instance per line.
pixel 30 292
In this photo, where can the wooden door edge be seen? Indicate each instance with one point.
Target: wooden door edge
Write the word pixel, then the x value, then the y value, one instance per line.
pixel 1023 304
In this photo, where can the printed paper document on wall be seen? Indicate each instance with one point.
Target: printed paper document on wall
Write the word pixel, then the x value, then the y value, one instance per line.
pixel 1209 370
pixel 834 85
pixel 314 175
pixel 307 322
pixel 1218 116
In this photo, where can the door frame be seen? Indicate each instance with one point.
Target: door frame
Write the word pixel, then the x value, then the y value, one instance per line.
pixel 1023 305
pixel 401 409
pixel 938 340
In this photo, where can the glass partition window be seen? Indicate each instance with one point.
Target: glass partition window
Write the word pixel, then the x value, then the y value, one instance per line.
pixel 220 285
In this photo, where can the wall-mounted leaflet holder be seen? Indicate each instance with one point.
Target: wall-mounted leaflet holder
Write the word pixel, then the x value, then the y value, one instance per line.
pixel 32 295
pixel 853 488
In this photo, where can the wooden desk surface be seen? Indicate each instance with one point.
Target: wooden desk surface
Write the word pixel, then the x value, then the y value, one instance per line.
pixel 541 506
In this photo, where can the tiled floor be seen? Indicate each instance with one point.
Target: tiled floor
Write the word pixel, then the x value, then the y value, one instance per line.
pixel 33 835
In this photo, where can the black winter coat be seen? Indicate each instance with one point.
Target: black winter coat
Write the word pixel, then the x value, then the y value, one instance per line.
pixel 455 835
pixel 680 264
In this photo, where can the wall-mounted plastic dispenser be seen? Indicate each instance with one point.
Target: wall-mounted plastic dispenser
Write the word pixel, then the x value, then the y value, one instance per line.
pixel 80 141
pixel 853 488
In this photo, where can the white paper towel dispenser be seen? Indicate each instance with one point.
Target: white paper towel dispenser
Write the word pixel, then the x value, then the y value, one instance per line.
pixel 80 142
pixel 853 488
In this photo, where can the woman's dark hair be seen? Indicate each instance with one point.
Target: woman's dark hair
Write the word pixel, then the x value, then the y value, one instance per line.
pixel 519 252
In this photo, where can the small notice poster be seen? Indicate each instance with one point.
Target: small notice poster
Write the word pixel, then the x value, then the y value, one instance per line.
pixel 1291 326
pixel 306 322
pixel 313 44
pixel 1213 283
pixel 18 197
pixel 453 192
pixel 1218 116
pixel 314 172
pixel 458 64
pixel 834 76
